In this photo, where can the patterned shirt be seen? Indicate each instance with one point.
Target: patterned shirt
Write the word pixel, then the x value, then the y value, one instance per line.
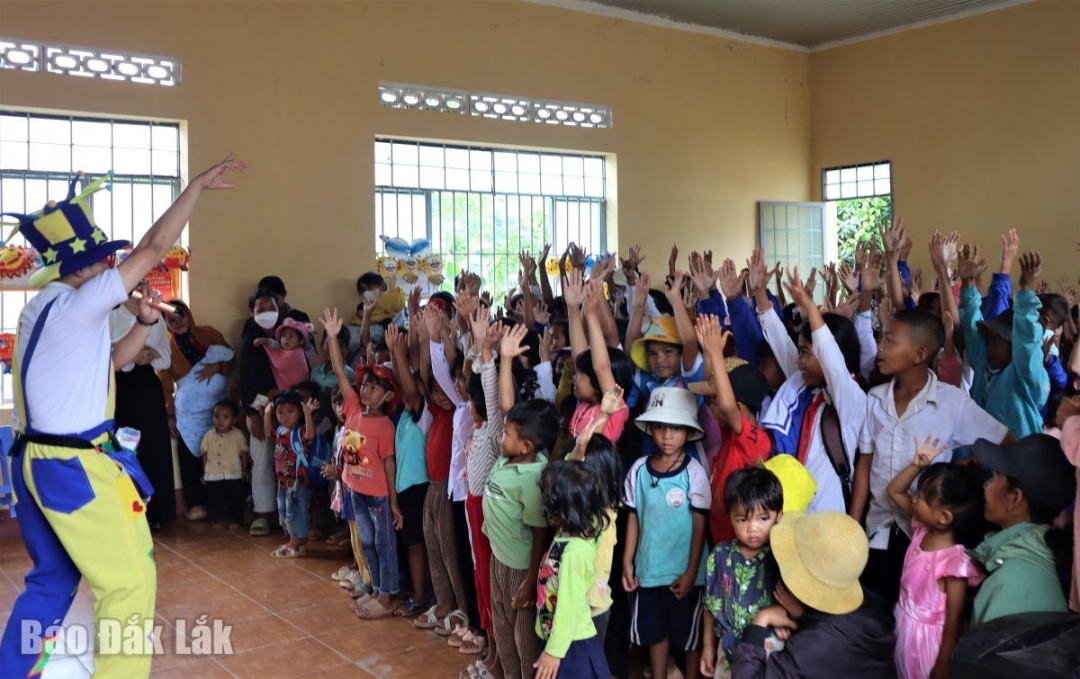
pixel 736 588
pixel 289 474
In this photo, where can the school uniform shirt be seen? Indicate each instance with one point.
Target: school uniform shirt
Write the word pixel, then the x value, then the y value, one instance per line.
pixel 224 454
pixel 66 385
pixel 457 488
pixel 939 410
pixel 562 613
pixel 366 444
pixel 410 444
pixel 736 452
pixel 842 391
pixel 512 508
pixel 664 502
pixel 121 321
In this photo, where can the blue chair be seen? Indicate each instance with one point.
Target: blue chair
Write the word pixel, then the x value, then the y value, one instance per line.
pixel 7 497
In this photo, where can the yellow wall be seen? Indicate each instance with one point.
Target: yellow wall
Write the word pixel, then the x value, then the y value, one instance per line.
pixel 704 127
pixel 980 118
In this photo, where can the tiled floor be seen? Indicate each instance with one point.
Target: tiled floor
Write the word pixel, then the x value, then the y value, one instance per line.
pixel 288 618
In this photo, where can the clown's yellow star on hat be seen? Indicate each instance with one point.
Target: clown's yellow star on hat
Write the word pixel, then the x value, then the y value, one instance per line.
pixel 62 231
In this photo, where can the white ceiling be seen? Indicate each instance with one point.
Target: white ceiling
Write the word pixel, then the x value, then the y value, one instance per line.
pixel 803 23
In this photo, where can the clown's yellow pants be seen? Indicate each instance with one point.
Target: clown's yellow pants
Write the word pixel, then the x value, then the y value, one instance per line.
pixel 80 515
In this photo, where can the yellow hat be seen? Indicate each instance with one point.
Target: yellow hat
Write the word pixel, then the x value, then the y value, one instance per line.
pixel 798 483
pixel 660 329
pixel 821 556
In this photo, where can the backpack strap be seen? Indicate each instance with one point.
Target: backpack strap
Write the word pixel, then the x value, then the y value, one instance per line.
pixel 832 436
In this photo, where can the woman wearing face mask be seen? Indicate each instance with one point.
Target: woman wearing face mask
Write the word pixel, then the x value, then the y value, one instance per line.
pixel 140 404
pixel 193 383
pixel 257 379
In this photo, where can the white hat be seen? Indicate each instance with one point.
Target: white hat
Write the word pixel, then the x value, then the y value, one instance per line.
pixel 674 406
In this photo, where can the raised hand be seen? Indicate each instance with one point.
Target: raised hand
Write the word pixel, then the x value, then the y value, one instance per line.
pixel 1067 290
pixel 540 313
pixel 848 278
pixel 970 264
pixel 871 275
pixel 547 344
pixel 757 277
pixel 926 451
pixel 1030 269
pixel 641 292
pixel 730 285
pixel 311 406
pixel 1010 246
pixel 702 274
pixel 213 179
pixel 573 288
pixel 577 256
pixel 511 345
pixel 612 401
pixel 466 305
pixel 593 295
pixel 893 239
pixel 905 248
pixel 711 336
pixel 331 322
pixel 395 339
pixel 673 259
pixel 951 245
pixel 478 325
pixel 811 282
pixel 800 294
pixel 434 320
pixel 675 286
pixel 414 301
pixel 528 266
pixel 916 284
pixel 495 332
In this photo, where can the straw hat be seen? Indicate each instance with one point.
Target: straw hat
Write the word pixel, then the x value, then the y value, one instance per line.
pixel 821 556
pixel 674 406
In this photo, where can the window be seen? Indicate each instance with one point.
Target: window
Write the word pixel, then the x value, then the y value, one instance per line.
pixel 480 207
pixel 39 154
pixel 88 62
pixel 860 197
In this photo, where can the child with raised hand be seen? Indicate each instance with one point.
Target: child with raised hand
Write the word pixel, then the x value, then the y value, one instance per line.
pixel 293 484
pixel 1005 352
pixel 946 514
pixel 574 505
pixel 735 394
pixel 369 470
pixel 600 368
pixel 411 480
pixel 740 574
pixel 913 404
pixel 515 525
pixel 667 494
pixel 821 375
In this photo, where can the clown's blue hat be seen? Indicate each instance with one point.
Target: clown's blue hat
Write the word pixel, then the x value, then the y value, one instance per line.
pixel 65 235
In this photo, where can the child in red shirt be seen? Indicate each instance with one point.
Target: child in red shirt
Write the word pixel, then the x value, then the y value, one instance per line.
pixel 735 394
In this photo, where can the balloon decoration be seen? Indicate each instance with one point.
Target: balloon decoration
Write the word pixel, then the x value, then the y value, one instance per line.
pixel 7 351
pixel 16 265
pixel 408 265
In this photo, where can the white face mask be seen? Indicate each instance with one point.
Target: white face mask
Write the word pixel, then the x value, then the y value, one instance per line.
pixel 371 295
pixel 266 319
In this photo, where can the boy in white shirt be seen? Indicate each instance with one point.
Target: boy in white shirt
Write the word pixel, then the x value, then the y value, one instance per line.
pixel 913 405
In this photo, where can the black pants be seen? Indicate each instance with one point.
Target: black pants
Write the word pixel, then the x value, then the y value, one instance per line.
pixel 465 563
pixel 191 471
pixel 885 566
pixel 225 501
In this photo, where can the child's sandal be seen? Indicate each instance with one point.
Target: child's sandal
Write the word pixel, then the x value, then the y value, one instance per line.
pixel 427 619
pixel 408 608
pixel 286 552
pixel 457 637
pixel 446 626
pixel 474 644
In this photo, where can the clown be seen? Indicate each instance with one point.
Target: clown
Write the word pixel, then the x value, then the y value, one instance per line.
pixel 80 499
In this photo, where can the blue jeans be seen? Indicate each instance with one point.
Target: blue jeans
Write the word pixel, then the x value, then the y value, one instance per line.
pixel 375 524
pixel 292 510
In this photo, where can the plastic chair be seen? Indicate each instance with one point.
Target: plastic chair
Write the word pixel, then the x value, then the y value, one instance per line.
pixel 7 497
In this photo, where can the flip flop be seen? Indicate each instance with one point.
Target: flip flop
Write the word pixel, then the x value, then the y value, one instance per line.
pixel 287 552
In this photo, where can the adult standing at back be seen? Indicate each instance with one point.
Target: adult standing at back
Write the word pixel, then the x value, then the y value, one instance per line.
pixel 79 512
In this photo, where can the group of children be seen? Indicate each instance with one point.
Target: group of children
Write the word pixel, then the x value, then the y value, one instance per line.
pixel 497 494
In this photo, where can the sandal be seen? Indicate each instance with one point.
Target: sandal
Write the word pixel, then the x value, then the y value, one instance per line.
pixel 427 619
pixel 259 528
pixel 446 626
pixel 473 644
pixel 458 636
pixel 374 610
pixel 408 608
pixel 477 670
pixel 287 552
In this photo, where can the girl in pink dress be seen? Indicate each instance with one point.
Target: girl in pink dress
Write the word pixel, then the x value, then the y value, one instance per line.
pixel 946 514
